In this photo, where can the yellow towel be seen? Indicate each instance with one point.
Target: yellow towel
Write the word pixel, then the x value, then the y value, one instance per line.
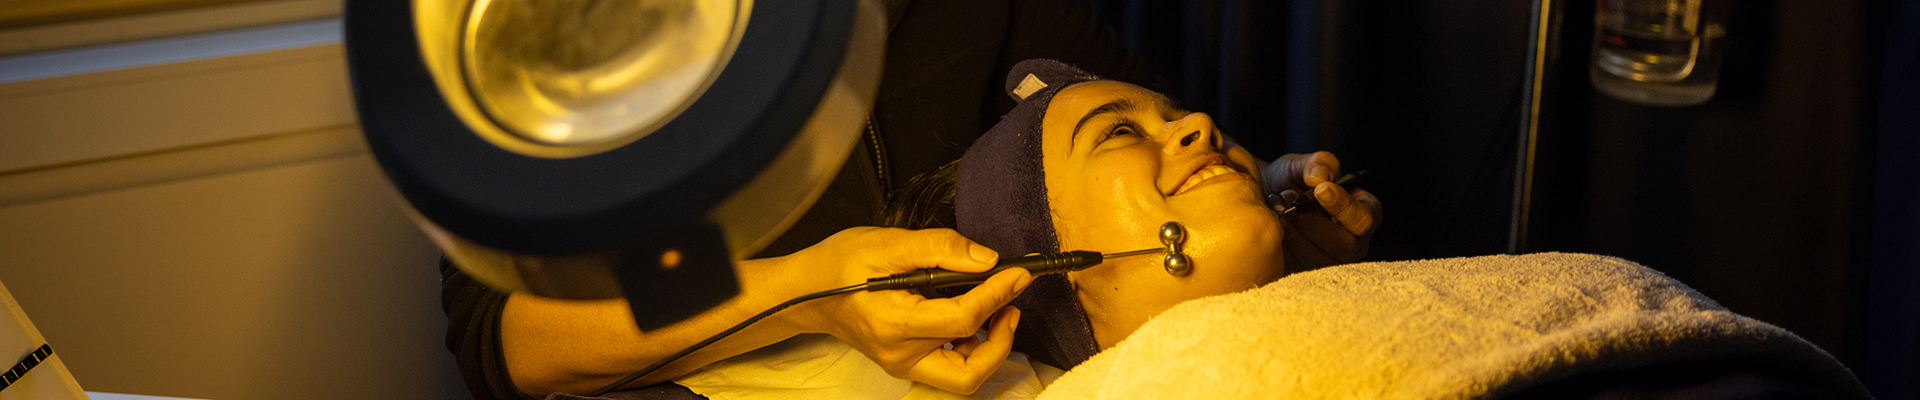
pixel 1478 327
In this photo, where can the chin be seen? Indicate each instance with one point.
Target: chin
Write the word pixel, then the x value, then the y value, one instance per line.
pixel 1238 240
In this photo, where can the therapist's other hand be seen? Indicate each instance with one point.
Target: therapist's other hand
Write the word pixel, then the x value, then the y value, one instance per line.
pixel 1339 235
pixel 906 333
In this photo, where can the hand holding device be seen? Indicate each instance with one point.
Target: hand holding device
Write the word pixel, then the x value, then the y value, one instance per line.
pixel 907 333
pixel 1337 236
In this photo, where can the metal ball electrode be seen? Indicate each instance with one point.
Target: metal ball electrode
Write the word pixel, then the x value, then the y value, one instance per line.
pixel 1176 262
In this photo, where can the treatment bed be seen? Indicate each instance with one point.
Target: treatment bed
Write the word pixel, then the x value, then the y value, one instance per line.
pixel 1551 325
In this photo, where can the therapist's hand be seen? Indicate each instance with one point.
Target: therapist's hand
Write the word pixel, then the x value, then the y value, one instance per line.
pixel 907 333
pixel 1315 239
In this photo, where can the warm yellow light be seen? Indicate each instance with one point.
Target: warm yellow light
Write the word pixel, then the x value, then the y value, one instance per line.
pixel 569 78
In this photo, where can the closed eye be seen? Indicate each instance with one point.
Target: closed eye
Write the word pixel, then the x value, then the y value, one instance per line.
pixel 1118 130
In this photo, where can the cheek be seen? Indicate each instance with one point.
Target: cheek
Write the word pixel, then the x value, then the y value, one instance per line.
pixel 1240 157
pixel 1137 285
pixel 1143 286
pixel 1146 287
pixel 1237 245
pixel 1119 192
pixel 1132 184
pixel 1112 207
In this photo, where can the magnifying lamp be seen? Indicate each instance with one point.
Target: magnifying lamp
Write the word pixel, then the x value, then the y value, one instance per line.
pixel 588 149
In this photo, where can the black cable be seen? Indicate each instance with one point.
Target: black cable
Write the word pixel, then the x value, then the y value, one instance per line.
pixel 723 334
pixel 1038 264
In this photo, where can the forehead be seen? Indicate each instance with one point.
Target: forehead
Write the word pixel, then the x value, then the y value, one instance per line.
pixel 1072 105
pixel 1081 98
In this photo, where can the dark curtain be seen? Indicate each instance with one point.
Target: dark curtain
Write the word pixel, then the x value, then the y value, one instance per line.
pixel 1226 57
pixel 1792 197
pixel 1889 327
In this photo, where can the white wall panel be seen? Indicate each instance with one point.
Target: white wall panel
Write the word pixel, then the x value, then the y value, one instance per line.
pixel 112 113
pixel 214 228
pixel 299 282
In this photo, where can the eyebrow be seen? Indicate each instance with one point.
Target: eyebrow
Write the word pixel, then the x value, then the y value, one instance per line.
pixel 1117 106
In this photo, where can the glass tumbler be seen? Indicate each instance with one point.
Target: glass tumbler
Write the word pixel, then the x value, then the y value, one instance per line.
pixel 1658 52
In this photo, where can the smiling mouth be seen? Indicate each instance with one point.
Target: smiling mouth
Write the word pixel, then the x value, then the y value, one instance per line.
pixel 1204 174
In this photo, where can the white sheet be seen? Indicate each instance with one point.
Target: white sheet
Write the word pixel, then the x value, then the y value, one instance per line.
pixel 818 366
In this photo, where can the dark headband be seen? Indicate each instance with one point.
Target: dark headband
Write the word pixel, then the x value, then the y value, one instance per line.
pixel 1000 201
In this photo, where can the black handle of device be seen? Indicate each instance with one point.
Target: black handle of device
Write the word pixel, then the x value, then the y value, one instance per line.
pixel 1038 264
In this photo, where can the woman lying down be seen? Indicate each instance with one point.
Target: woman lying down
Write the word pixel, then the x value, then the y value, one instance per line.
pixel 1090 164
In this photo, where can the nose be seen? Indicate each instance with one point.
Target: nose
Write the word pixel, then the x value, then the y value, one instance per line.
pixel 1191 133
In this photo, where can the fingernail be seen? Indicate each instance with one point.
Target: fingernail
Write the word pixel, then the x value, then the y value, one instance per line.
pixel 1020 284
pixel 982 253
pixel 1317 172
pixel 1016 319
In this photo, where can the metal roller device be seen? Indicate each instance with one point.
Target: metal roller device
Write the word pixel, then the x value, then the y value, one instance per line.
pixel 1172 235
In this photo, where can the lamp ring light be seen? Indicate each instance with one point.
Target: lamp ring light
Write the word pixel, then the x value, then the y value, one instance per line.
pixel 587 149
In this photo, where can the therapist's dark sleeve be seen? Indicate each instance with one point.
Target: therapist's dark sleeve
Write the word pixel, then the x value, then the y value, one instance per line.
pixel 473 334
pixel 474 309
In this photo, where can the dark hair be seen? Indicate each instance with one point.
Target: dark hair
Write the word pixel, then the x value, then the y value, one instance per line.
pixel 926 201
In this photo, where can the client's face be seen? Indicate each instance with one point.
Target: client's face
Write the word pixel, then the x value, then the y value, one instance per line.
pixel 1120 161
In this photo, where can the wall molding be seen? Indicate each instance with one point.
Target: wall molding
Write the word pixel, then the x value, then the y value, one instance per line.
pixel 163 51
pixel 199 18
pixel 138 100
pixel 168 165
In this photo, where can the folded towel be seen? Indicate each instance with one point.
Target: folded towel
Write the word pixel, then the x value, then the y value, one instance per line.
pixel 1478 327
